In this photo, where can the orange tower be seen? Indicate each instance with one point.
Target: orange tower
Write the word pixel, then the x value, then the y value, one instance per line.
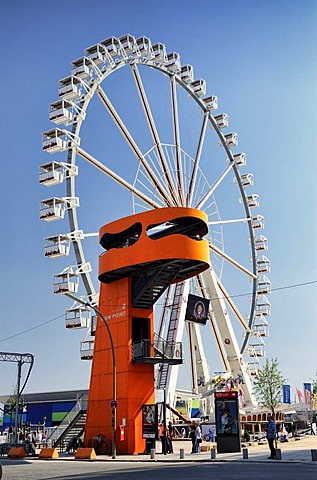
pixel 144 254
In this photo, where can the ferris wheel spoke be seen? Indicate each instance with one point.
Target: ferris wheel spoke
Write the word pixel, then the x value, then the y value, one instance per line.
pixel 194 172
pixel 213 187
pixel 231 260
pixel 134 147
pixel 179 172
pixel 233 306
pixel 93 161
pixel 154 132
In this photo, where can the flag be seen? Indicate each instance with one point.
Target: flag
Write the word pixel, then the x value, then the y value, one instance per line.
pixel 307 392
pixel 300 395
pixel 286 394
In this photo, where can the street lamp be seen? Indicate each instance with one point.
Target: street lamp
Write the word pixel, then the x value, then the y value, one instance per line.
pixel 114 370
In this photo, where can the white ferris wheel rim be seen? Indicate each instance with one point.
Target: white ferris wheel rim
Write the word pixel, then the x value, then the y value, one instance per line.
pixel 94 87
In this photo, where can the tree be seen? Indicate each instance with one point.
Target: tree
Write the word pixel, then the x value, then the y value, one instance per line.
pixel 268 385
pixel 314 384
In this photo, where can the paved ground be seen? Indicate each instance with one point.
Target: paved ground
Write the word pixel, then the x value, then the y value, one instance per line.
pixel 296 463
pixel 296 450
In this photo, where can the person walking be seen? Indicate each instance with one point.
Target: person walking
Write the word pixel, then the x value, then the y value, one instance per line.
pixel 163 437
pixel 271 435
pixel 198 438
pixel 170 436
pixel 192 436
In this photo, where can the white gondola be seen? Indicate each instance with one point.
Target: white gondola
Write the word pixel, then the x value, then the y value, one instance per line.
pixel 257 222
pixel 96 53
pixel 264 286
pixel 77 317
pixel 253 200
pixel 231 139
pixel 57 246
pixel 199 87
pixel 240 159
pixel 86 349
pixel 263 306
pixel 112 46
pixel 261 326
pixel 257 350
pixel 247 180
pixel 211 102
pixel 54 141
pixel 187 73
pixel 128 43
pixel 263 264
pixel 52 209
pixel 60 112
pixel 254 368
pixel 222 120
pixel 81 68
pixel 261 243
pixel 173 62
pixel 144 46
pixel 51 174
pixel 159 51
pixel 66 282
pixel 69 87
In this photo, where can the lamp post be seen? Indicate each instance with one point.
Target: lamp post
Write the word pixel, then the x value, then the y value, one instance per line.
pixel 114 370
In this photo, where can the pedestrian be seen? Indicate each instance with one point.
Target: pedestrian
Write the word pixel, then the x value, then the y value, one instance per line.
pixel 271 435
pixel 198 438
pixel 170 436
pixel 192 436
pixel 163 438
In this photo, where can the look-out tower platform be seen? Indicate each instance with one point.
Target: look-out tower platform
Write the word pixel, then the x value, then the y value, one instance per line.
pixel 144 254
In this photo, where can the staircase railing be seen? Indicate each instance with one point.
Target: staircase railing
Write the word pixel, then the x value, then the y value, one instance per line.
pixel 80 405
pixel 159 350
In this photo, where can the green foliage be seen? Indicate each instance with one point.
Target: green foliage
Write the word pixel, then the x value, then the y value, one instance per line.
pixel 268 385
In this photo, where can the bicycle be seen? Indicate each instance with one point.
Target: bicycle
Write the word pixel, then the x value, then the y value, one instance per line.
pixel 101 446
pixel 73 444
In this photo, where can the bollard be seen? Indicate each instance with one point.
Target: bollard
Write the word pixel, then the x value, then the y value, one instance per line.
pixel 245 453
pixel 152 453
pixel 314 455
pixel 213 454
pixel 278 454
pixel 182 454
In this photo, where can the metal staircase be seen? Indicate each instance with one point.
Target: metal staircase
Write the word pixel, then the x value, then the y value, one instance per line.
pixel 72 425
pixel 148 286
pixel 164 369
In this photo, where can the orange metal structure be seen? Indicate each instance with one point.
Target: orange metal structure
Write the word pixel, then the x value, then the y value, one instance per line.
pixel 144 254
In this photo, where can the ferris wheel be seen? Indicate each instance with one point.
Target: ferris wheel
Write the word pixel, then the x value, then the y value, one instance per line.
pixel 134 130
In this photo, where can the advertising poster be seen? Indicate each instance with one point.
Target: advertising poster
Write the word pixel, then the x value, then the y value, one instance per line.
pixel 227 416
pixel 227 422
pixel 197 309
pixel 148 421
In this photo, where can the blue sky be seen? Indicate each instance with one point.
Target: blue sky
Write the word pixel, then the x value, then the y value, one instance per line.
pixel 257 57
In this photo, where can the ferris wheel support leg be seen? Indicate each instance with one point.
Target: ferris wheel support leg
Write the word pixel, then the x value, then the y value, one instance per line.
pixel 237 367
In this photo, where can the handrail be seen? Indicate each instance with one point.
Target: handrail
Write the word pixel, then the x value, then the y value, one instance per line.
pixel 79 406
pixel 159 348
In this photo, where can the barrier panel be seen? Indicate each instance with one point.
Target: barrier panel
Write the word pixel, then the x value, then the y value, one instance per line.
pixel 16 452
pixel 48 453
pixel 85 453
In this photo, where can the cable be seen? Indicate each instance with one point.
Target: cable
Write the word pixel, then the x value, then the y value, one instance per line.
pixel 32 328
pixel 285 287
